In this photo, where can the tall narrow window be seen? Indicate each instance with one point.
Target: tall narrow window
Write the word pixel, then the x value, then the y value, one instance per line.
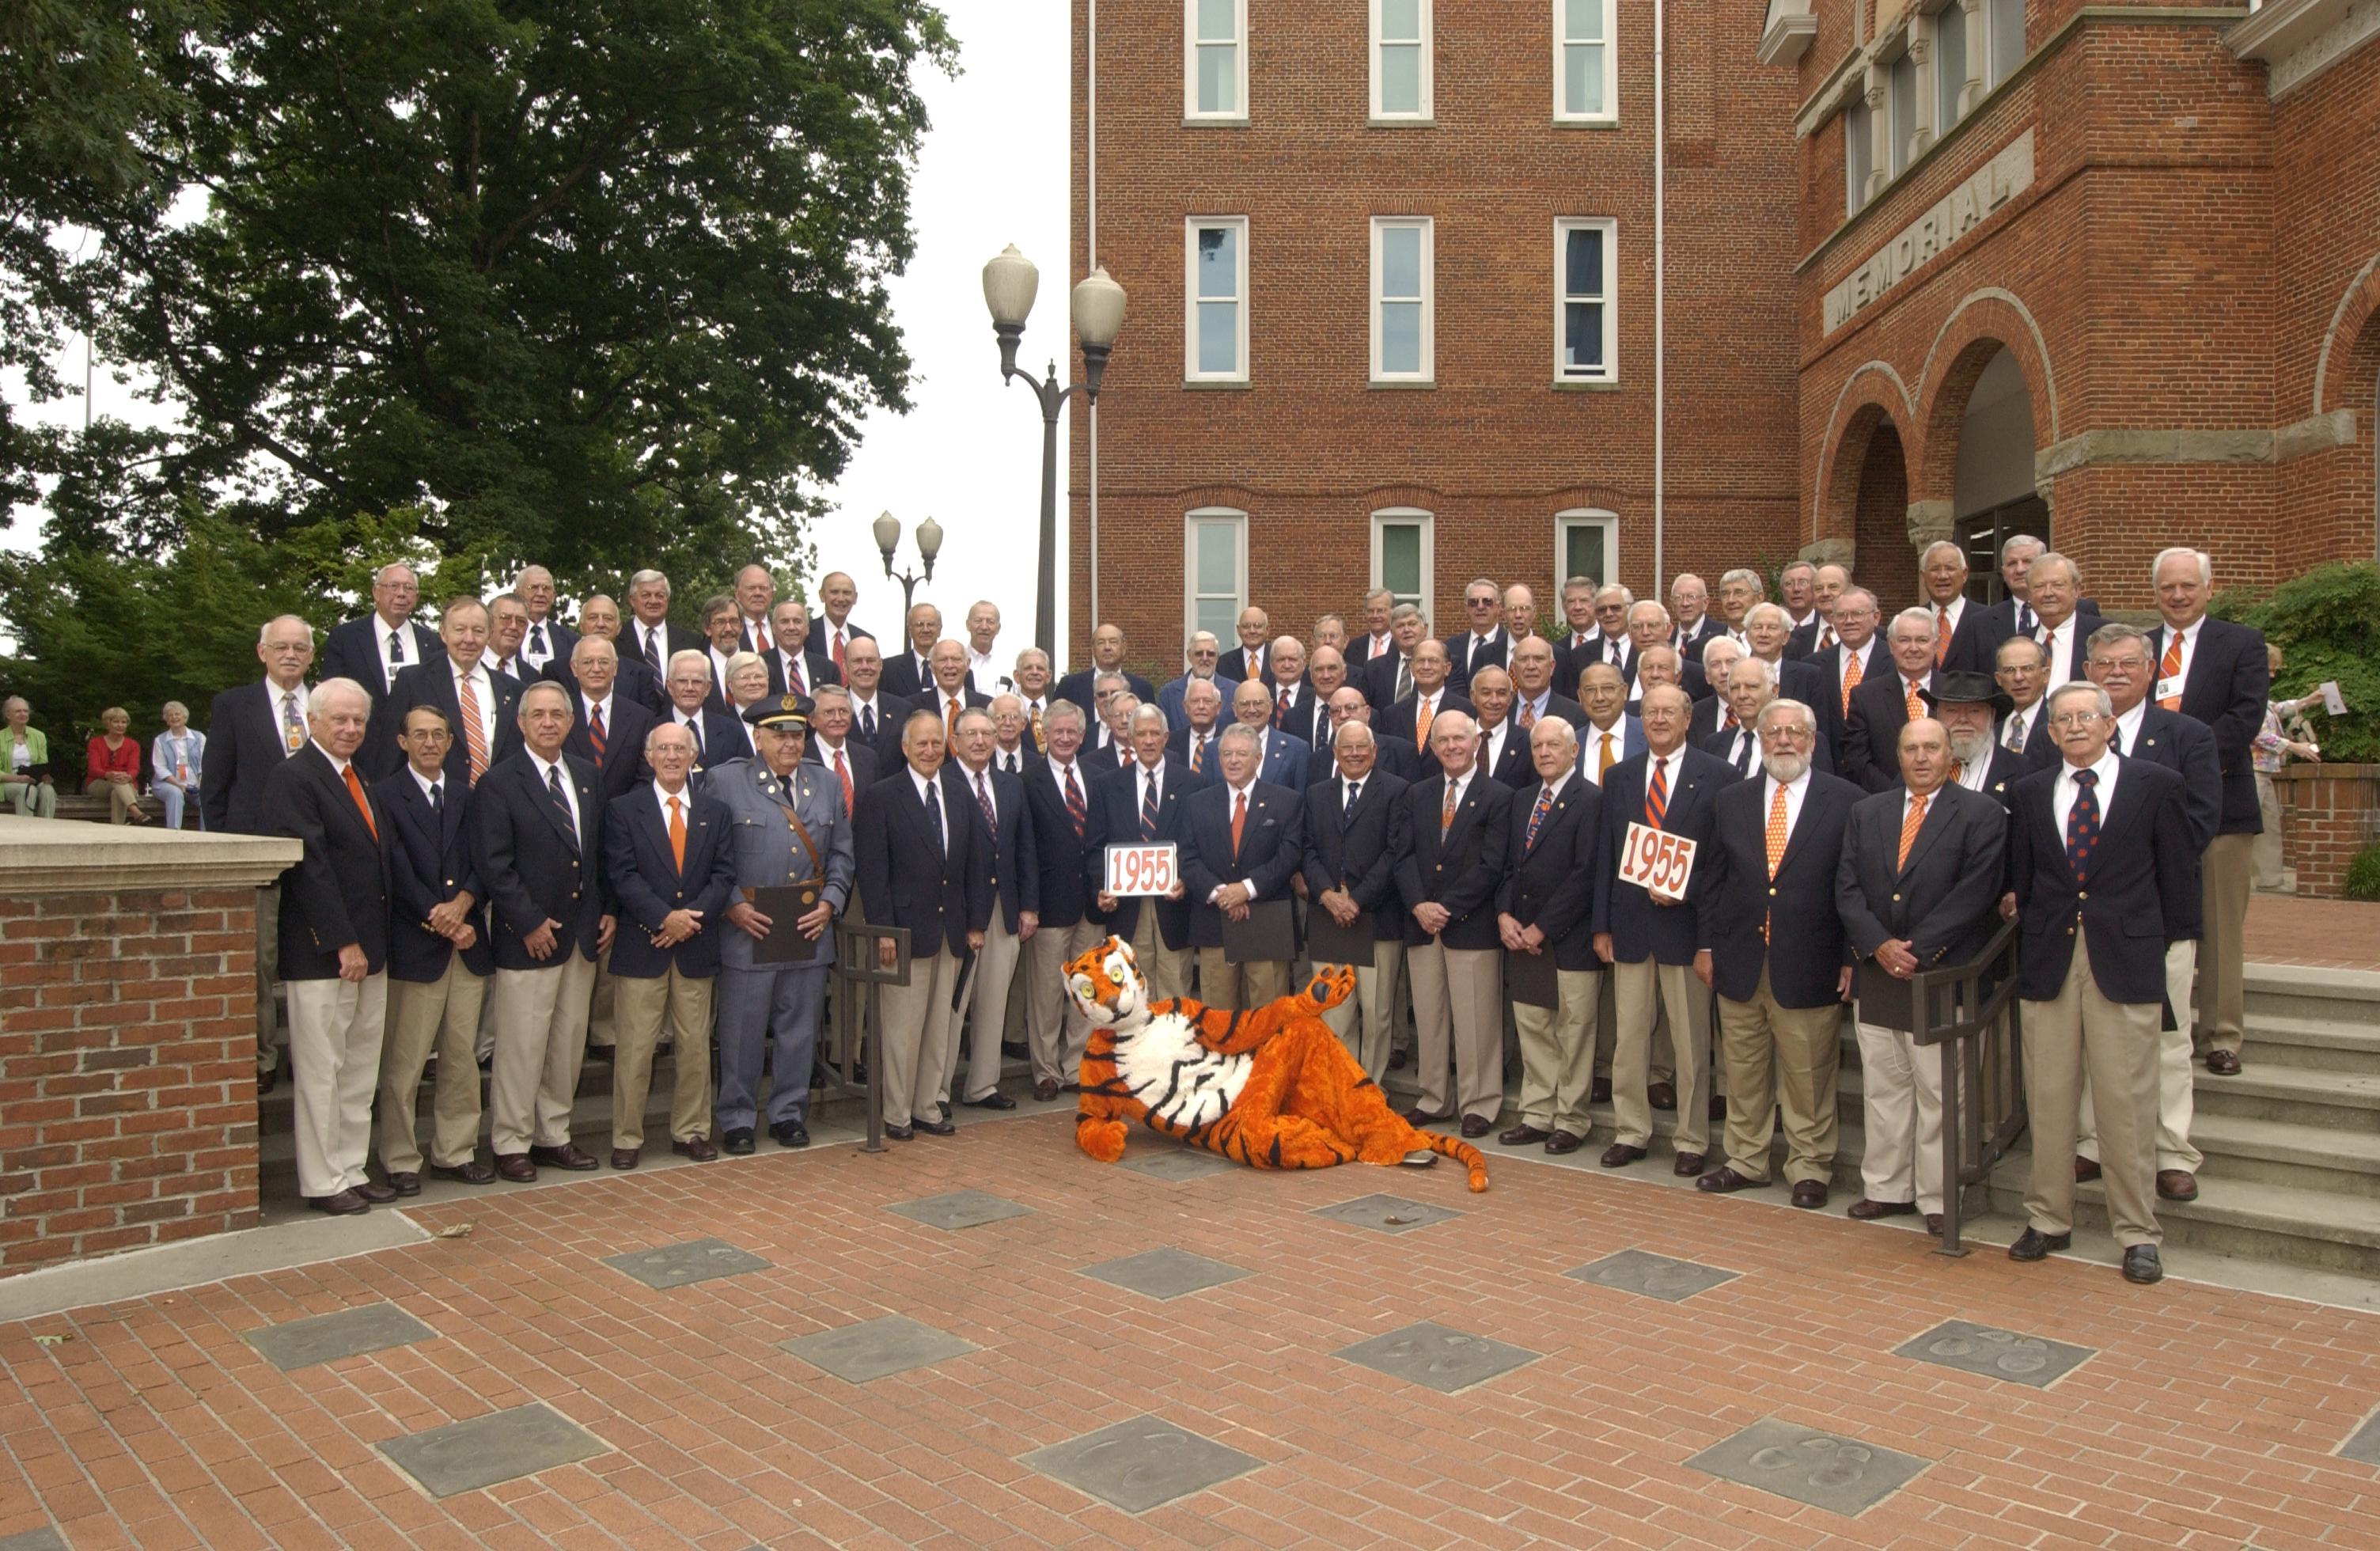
pixel 1585 327
pixel 1402 343
pixel 2005 24
pixel 1215 255
pixel 1401 58
pixel 1215 59
pixel 1859 146
pixel 1585 76
pixel 1586 543
pixel 1949 65
pixel 1901 99
pixel 1402 557
pixel 1215 572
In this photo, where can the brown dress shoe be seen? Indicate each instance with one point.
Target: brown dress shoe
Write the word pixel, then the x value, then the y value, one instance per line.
pixel 2085 1169
pixel 517 1167
pixel 265 1083
pixel 1724 1180
pixel 934 1128
pixel 471 1173
pixel 1662 1096
pixel 1045 1090
pixel 345 1204
pixel 1716 1108
pixel 2223 1063
pixel 1522 1135
pixel 1475 1126
pixel 1601 1092
pixel 1934 1224
pixel 377 1193
pixel 1688 1165
pixel 1810 1195
pixel 624 1158
pixel 2177 1184
pixel 1619 1155
pixel 1866 1210
pixel 1562 1142
pixel 699 1149
pixel 404 1183
pixel 1419 1116
pixel 567 1155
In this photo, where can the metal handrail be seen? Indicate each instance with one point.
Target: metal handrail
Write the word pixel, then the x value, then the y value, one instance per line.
pixel 858 1021
pixel 1981 1036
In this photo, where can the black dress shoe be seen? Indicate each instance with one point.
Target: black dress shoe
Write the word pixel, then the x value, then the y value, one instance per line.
pixel 791 1133
pixel 1044 1089
pixel 739 1141
pixel 2223 1063
pixel 697 1147
pixel 625 1159
pixel 471 1173
pixel 344 1203
pixel 2142 1264
pixel 2034 1244
pixel 2177 1184
pixel 515 1168
pixel 994 1100
pixel 1934 1224
pixel 1687 1166
pixel 1619 1155
pixel 934 1128
pixel 1866 1210
pixel 1475 1126
pixel 1562 1142
pixel 1662 1096
pixel 1601 1092
pixel 404 1183
pixel 1014 1049
pixel 898 1133
pixel 567 1155
pixel 1810 1195
pixel 377 1193
pixel 1400 1059
pixel 265 1083
pixel 2085 1169
pixel 1723 1181
pixel 1522 1135
pixel 1417 1116
pixel 945 1107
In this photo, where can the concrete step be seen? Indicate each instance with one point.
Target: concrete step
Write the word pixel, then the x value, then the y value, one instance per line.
pixel 2300 991
pixel 2323 1044
pixel 2285 1152
pixel 2290 1225
pixel 2294 1094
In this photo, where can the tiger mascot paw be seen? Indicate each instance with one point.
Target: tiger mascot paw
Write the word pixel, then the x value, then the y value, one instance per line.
pixel 1271 1087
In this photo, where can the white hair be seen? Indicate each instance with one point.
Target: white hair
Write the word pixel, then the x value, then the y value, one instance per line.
pixel 1809 718
pixel 319 698
pixel 2099 701
pixel 1758 610
pixel 1648 604
pixel 2013 539
pixel 1744 574
pixel 1942 544
pixel 1768 671
pixel 646 578
pixel 2205 564
pixel 699 659
pixel 1916 617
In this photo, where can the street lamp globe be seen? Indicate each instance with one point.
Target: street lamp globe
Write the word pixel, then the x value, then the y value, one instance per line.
pixel 887 529
pixel 929 542
pixel 1099 310
pixel 1010 284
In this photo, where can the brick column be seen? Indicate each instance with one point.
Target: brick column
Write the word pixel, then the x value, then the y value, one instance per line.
pixel 2329 813
pixel 127 1036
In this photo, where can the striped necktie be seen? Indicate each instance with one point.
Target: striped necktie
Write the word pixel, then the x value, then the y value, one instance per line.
pixel 1076 814
pixel 1910 825
pixel 1657 792
pixel 1149 806
pixel 1537 815
pixel 560 800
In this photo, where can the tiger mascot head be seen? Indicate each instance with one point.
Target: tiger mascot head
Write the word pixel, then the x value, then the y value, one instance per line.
pixel 1106 983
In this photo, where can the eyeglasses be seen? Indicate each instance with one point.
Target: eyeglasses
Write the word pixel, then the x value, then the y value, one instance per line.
pixel 2074 719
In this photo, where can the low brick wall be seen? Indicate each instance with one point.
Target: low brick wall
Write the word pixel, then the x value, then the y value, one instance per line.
pixel 128 1037
pixel 2329 813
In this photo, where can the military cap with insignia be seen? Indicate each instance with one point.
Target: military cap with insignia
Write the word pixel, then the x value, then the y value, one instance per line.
pixel 786 710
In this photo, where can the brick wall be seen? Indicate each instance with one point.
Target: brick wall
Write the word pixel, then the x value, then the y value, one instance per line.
pixel 2329 813
pixel 127 1069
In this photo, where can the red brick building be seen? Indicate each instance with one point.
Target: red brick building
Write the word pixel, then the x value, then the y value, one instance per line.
pixel 2105 271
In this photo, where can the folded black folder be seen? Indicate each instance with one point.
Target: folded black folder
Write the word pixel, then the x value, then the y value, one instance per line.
pixel 783 905
pixel 1327 943
pixel 1269 933
pixel 1529 980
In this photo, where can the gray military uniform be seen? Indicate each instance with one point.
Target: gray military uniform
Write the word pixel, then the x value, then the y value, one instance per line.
pixel 778 1002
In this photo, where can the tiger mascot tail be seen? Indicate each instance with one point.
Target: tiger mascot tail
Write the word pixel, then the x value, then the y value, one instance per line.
pixel 1272 1088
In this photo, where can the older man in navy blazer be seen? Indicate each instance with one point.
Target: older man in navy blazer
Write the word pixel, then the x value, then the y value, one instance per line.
pixel 539 848
pixel 1242 838
pixel 1142 805
pixel 668 867
pixel 1771 944
pixel 1546 908
pixel 1458 825
pixel 373 650
pixel 1356 823
pixel 1057 794
pixel 490 732
pixel 971 776
pixel 2105 881
pixel 438 962
pixel 1282 758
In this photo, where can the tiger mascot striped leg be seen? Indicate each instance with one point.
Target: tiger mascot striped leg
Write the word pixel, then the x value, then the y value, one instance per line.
pixel 1271 1087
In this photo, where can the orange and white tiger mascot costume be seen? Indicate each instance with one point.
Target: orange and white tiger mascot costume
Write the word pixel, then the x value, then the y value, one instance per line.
pixel 1272 1088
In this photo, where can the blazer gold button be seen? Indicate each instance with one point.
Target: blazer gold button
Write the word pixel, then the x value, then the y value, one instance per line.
pixel 2082 894
pixel 1772 893
pixel 1896 899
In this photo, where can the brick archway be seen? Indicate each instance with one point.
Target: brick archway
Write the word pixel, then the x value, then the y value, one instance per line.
pixel 1978 329
pixel 1864 500
pixel 1873 394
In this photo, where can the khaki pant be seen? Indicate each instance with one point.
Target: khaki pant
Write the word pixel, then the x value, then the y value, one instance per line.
pixel 1055 1026
pixel 2177 1075
pixel 602 1014
pixel 2223 902
pixel 1373 1003
pixel 123 801
pixel 1241 987
pixel 2267 870
pixel 2117 1042
pixel 910 1045
pixel 540 1018
pixel 1167 970
pixel 982 1007
pixel 679 1005
pixel 439 1016
pixel 335 1028
pixel 35 799
pixel 1640 992
pixel 1558 1053
pixel 1458 995
pixel 268 969
pixel 1779 1058
pixel 1900 1103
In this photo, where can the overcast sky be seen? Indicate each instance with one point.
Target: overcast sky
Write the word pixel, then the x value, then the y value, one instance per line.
pixel 993 171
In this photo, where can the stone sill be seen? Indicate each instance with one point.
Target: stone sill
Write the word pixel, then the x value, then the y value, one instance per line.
pixel 50 855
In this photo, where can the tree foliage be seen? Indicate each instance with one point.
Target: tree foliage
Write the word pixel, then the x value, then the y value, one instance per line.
pixel 2327 625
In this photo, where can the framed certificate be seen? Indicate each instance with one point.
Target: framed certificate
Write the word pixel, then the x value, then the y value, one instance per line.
pixel 1141 871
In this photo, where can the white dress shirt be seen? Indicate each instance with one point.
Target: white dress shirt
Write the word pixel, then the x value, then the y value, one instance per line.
pixel 480 687
pixel 2126 740
pixel 2027 721
pixel 862 711
pixel 1866 655
pixel 545 769
pixel 757 631
pixel 2158 689
pixel 1590 749
pixel 1477 644
pixel 603 708
pixel 1794 793
pixel 1975 774
pixel 429 787
pixel 389 635
pixel 2062 796
pixel 1009 759
pixel 923 785
pixel 1150 779
pixel 683 797
pixel 1378 646
pixel 656 637
pixel 1958 611
pixel 536 646
pixel 2059 644
pixel 1667 764
pixel 1491 743
pixel 983 672
pixel 719 674
pixel 1455 786
pixel 1238 795
pixel 794 671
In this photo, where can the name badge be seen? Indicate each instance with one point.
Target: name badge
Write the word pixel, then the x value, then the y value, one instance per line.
pixel 2168 688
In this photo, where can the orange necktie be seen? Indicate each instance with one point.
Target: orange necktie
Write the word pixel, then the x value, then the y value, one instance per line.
pixel 1422 713
pixel 1909 702
pixel 1909 828
pixel 1446 819
pixel 1851 680
pixel 1941 633
pixel 363 804
pixel 838 651
pixel 677 835
pixel 950 719
pixel 843 774
pixel 1239 818
pixel 1776 838
pixel 475 734
pixel 2169 667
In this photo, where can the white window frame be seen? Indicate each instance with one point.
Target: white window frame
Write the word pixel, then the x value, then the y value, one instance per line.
pixel 1190 227
pixel 1858 145
pixel 1424 110
pixel 1949 20
pixel 1192 521
pixel 1428 522
pixel 1427 375
pixel 1998 68
pixel 1190 113
pixel 1563 226
pixel 1586 517
pixel 1610 114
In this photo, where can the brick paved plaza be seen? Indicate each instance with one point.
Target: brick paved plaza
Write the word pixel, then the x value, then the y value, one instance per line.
pixel 2190 1415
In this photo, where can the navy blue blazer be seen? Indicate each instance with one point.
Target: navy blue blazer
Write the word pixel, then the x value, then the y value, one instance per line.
pixel 1942 901
pixel 245 746
pixel 1177 746
pixel 1115 820
pixel 2179 743
pixel 432 684
pixel 1496 652
pixel 2229 680
pixel 1460 868
pixel 2140 895
pixel 1359 853
pixel 1273 843
pixel 1234 665
pixel 429 857
pixel 891 710
pixel 858 760
pixel 1396 723
pixel 633 682
pixel 1870 744
pixel 816 670
pixel 1641 929
pixel 645 883
pixel 1077 686
pixel 939 893
pixel 1550 885
pixel 713 729
pixel 336 892
pixel 1068 897
pixel 1014 849
pixel 1512 766
pixel 1829 704
pixel 1805 949
pixel 1723 748
pixel 535 868
pixel 622 768
pixel 351 650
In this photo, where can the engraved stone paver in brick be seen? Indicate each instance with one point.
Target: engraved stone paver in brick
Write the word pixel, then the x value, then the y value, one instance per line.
pixel 2364 1446
pixel 1654 1276
pixel 1389 1214
pixel 33 1540
pixel 1824 1470
pixel 1163 1161
pixel 1441 1359
pixel 1980 1349
pixel 677 1265
pixel 875 1347
pixel 1140 1464
pixel 1166 1273
pixel 960 1208
pixel 467 1455
pixel 326 1338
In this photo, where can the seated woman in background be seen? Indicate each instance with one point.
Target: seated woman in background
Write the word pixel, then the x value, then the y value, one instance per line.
pixel 114 767
pixel 25 761
pixel 174 762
